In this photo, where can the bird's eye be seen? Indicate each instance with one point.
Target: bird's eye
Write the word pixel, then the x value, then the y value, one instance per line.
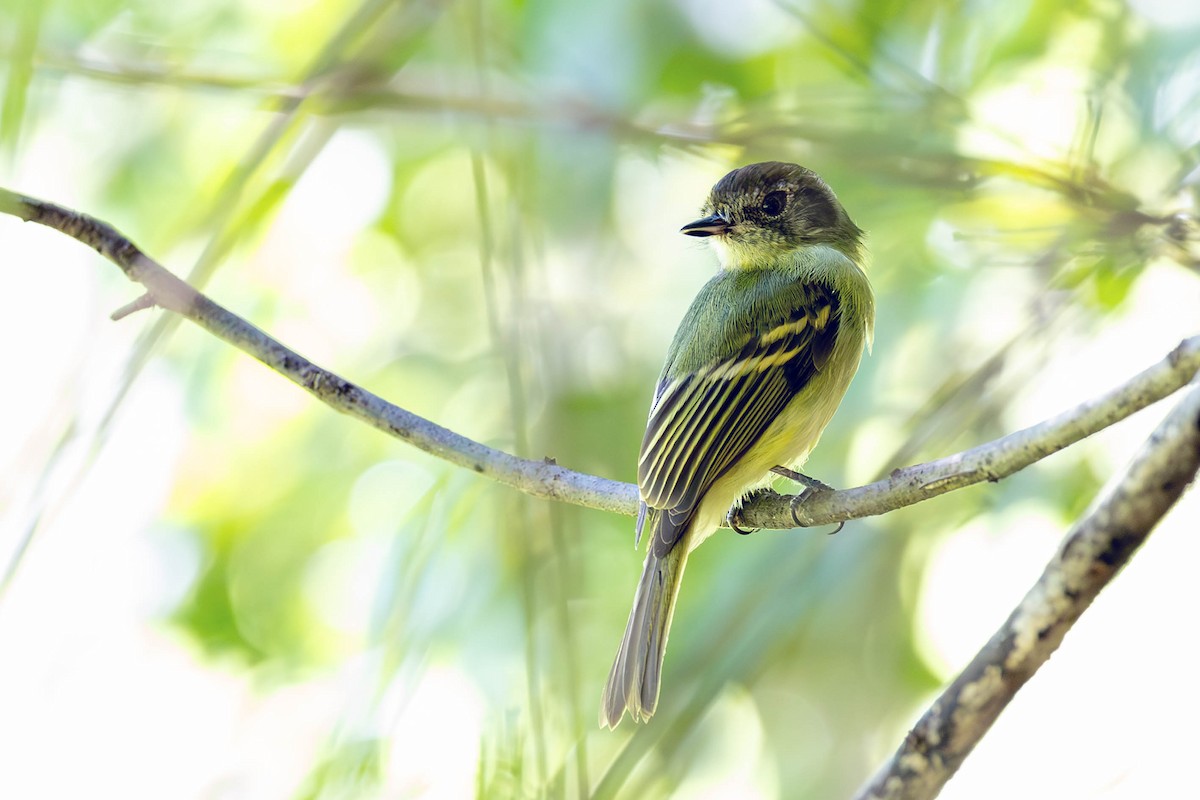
pixel 774 203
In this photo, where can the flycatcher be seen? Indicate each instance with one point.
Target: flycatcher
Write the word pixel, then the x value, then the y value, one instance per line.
pixel 758 366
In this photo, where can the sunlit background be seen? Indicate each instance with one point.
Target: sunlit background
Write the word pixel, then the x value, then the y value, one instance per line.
pixel 215 587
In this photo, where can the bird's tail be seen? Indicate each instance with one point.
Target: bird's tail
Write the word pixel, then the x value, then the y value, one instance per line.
pixel 634 680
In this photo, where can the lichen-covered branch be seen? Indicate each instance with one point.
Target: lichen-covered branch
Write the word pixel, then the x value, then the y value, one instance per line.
pixel 546 479
pixel 1092 553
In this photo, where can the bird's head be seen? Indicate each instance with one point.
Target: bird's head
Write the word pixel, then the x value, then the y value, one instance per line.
pixel 757 214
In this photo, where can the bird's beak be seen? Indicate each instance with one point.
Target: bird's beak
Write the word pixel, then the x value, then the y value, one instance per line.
pixel 713 225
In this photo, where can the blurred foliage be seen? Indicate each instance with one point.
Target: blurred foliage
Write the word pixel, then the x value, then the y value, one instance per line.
pixel 469 208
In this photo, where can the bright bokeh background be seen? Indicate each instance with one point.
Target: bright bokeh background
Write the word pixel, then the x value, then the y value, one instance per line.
pixel 214 587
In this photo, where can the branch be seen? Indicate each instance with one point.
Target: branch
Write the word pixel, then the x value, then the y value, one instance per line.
pixel 987 462
pixel 546 479
pixel 1092 553
pixel 538 478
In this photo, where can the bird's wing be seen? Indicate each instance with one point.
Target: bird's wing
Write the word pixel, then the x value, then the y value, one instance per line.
pixel 703 421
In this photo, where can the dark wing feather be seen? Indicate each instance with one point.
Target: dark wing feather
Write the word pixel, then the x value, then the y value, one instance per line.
pixel 703 422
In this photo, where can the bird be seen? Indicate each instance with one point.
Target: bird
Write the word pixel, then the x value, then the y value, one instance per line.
pixel 759 364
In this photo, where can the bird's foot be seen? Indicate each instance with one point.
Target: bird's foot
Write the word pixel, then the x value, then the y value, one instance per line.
pixel 735 514
pixel 731 519
pixel 812 487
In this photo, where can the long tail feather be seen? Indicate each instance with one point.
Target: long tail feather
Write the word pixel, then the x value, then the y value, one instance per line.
pixel 634 680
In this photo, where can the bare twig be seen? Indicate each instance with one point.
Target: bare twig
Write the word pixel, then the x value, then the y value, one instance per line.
pixel 1092 553
pixel 545 478
pixel 140 304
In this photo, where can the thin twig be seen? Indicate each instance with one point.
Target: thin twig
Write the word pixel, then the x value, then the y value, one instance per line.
pixel 991 461
pixel 1091 555
pixel 140 304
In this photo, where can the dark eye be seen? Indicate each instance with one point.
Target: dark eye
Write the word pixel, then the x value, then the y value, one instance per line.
pixel 773 204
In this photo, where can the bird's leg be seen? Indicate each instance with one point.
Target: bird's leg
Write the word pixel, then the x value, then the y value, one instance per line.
pixel 811 486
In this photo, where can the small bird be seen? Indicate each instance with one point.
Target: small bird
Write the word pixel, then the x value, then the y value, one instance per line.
pixel 755 372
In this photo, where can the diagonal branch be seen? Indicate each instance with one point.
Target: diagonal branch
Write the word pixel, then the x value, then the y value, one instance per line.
pixel 546 479
pixel 539 478
pixel 1092 553
pixel 987 462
